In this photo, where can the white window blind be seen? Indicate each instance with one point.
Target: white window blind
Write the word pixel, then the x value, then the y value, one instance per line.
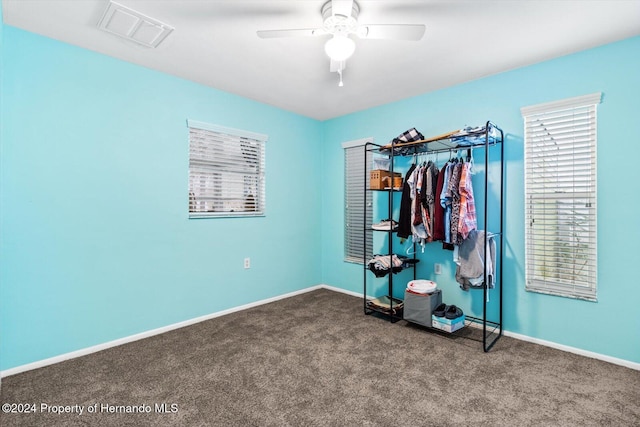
pixel 560 197
pixel 226 171
pixel 357 164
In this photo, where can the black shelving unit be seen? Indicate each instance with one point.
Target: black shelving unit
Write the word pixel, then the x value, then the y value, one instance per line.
pixel 491 329
pixel 392 314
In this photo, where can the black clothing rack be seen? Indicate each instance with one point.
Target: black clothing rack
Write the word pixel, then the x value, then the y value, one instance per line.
pixel 491 330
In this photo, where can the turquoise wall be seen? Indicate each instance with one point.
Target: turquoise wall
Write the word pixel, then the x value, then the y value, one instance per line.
pixel 612 325
pixel 96 244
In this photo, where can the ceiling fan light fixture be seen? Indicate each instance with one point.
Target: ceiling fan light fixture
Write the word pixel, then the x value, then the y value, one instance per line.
pixel 340 47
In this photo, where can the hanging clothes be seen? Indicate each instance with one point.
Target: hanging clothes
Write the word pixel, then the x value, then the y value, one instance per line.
pixel 468 220
pixel 469 257
pixel 418 229
pixel 417 180
pixel 445 202
pixel 437 205
pixel 438 210
pixel 404 220
pixel 454 192
pixel 428 196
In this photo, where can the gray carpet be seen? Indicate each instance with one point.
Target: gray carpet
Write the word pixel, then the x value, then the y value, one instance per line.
pixel 316 360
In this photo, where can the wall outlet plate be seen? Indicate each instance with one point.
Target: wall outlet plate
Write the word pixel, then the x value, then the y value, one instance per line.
pixel 247 263
pixel 437 268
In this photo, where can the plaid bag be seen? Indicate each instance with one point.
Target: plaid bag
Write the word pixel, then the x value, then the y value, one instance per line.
pixel 408 136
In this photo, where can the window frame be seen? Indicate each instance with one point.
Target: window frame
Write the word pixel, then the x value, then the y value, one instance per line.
pixel 560 138
pixel 226 162
pixel 355 226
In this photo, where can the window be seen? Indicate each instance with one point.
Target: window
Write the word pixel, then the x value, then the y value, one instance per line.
pixel 226 171
pixel 560 197
pixel 357 165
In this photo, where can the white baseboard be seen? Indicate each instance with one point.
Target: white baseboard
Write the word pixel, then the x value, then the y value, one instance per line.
pixel 579 351
pixel 147 334
pixel 569 349
pixel 344 291
pixel 136 337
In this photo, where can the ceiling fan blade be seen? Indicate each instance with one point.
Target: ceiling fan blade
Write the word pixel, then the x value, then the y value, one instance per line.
pixel 392 31
pixel 341 7
pixel 307 32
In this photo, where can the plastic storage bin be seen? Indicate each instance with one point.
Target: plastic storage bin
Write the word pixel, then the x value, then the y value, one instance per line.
pixel 419 308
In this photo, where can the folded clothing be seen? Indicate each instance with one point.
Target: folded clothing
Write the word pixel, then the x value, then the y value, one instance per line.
pixel 410 135
pixel 384 304
pixel 381 265
pixel 474 135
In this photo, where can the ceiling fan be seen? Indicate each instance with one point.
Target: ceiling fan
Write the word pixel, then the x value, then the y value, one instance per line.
pixel 340 21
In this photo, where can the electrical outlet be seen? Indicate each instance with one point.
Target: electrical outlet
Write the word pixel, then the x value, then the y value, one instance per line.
pixel 437 268
pixel 247 263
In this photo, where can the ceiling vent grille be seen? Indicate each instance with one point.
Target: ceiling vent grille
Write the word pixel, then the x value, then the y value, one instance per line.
pixel 134 26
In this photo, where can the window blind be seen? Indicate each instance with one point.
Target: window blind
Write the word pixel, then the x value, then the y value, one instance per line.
pixel 560 197
pixel 226 171
pixel 358 217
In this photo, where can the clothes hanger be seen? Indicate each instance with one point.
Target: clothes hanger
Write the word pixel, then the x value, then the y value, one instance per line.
pixel 411 246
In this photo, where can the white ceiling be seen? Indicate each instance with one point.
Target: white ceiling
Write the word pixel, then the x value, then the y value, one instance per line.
pixel 214 43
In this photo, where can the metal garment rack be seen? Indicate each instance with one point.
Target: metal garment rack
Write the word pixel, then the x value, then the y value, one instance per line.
pixel 491 330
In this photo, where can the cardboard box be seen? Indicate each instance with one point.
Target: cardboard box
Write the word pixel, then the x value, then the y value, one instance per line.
pixel 381 179
pixel 419 308
pixel 447 325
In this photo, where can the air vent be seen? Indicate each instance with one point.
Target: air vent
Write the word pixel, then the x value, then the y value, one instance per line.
pixel 132 25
